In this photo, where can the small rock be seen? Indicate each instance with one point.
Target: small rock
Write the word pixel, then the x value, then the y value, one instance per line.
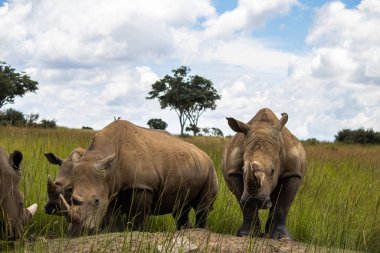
pixel 178 244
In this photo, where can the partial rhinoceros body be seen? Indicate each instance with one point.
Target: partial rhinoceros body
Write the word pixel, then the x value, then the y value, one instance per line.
pixel 263 165
pixel 141 172
pixel 13 216
pixel 63 182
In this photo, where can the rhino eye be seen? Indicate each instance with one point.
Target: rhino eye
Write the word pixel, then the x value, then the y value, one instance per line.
pixel 272 172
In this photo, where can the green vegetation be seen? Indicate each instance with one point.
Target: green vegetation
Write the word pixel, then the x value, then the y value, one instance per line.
pixel 338 205
pixel 157 124
pixel 12 117
pixel 188 96
pixel 13 84
pixel 360 136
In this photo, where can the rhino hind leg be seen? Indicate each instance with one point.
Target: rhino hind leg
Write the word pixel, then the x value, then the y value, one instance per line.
pixel 283 197
pixel 182 218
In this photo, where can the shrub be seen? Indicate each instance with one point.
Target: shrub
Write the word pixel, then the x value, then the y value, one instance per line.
pixel 360 136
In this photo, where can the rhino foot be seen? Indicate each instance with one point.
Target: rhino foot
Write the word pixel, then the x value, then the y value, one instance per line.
pixel 247 232
pixel 280 233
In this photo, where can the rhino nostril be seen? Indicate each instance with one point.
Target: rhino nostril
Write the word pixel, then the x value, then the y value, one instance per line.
pixel 69 189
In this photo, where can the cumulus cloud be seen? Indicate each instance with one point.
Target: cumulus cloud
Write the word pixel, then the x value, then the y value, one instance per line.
pixel 94 62
pixel 247 17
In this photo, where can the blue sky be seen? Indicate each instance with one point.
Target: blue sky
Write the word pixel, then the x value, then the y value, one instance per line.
pixel 315 60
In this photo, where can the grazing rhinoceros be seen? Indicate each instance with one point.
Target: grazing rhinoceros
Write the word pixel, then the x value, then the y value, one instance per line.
pixel 263 165
pixel 13 215
pixel 62 184
pixel 143 171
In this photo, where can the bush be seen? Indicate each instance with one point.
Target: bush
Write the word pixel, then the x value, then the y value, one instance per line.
pixel 157 124
pixel 12 117
pixel 48 123
pixel 360 136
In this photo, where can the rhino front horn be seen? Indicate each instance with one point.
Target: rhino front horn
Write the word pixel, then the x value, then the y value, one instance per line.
pixel 32 209
pixel 65 204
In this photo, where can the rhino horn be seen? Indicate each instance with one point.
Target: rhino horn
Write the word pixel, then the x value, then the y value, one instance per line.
pixel 281 123
pixel 66 205
pixel 51 186
pixel 77 199
pixel 32 209
pixel 260 176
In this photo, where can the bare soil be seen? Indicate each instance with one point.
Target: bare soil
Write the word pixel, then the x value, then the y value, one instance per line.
pixel 189 240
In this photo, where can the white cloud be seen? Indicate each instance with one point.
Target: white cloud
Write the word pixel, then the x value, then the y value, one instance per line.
pixel 97 61
pixel 248 16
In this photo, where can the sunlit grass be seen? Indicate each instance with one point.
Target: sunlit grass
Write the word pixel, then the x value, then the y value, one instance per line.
pixel 338 204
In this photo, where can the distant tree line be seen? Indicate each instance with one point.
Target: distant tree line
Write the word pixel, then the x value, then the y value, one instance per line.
pixel 12 117
pixel 360 136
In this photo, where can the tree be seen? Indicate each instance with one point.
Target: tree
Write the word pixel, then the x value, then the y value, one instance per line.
pixel 217 132
pixel 45 123
pixel 193 128
pixel 13 84
pixel 358 136
pixel 188 96
pixel 157 124
pixel 203 96
pixel 12 117
pixel 31 119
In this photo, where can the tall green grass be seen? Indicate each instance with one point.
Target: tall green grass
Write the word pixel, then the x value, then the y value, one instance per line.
pixel 337 206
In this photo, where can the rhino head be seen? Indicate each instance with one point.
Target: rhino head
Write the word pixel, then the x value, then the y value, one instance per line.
pixel 63 182
pixel 261 159
pixel 13 215
pixel 90 196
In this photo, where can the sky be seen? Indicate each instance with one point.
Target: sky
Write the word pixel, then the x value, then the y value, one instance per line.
pixel 318 61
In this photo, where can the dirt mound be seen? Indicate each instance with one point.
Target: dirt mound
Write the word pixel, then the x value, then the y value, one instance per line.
pixel 189 240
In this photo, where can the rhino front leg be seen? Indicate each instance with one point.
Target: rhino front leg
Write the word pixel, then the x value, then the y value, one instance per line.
pixel 141 201
pixel 251 221
pixel 282 198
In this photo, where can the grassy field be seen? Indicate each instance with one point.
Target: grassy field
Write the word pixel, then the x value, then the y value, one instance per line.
pixel 338 205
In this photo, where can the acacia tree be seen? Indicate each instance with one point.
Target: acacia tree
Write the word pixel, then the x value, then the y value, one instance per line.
pixel 13 84
pixel 188 96
pixel 203 97
pixel 157 124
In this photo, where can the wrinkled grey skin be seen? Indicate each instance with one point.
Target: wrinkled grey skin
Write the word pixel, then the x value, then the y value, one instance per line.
pixel 13 215
pixel 63 182
pixel 263 165
pixel 145 173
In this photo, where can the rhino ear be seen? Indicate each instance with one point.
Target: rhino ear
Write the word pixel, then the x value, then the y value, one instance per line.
pixel 77 154
pixel 54 159
pixel 15 159
pixel 281 123
pixel 238 126
pixel 105 163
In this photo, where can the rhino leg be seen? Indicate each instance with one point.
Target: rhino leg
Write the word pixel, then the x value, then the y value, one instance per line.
pixel 112 220
pixel 236 185
pixel 283 196
pixel 182 218
pixel 251 222
pixel 141 201
pixel 204 202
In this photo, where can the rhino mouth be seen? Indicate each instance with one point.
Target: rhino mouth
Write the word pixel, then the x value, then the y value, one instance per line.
pixel 258 202
pixel 53 208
